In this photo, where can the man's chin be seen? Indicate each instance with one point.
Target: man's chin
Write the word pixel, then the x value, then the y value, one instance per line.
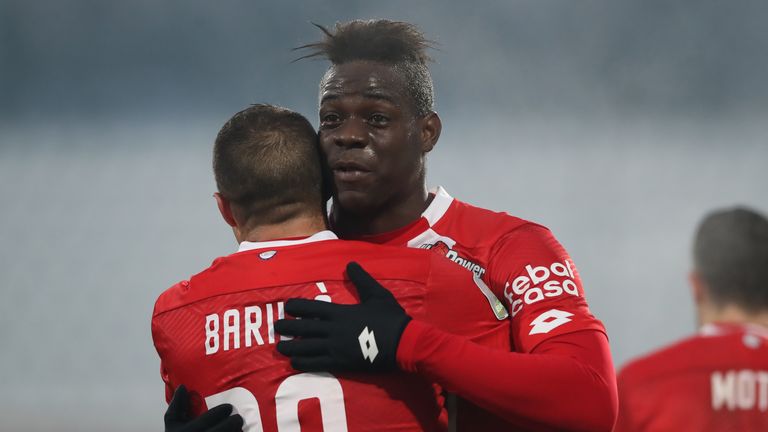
pixel 354 201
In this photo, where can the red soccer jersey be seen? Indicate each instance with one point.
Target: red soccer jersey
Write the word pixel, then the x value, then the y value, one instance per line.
pixel 714 381
pixel 214 333
pixel 525 267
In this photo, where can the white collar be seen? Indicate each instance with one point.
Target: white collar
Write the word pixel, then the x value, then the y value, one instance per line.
pixel 438 206
pixel 319 236
pixel 717 329
pixel 436 209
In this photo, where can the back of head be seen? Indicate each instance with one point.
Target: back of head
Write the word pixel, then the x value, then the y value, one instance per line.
pixel 731 257
pixel 266 162
pixel 398 44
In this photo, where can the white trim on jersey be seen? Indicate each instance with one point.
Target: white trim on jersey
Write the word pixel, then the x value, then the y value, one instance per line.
pixel 436 210
pixel 709 330
pixel 319 236
pixel 713 329
pixel 438 206
pixel 433 213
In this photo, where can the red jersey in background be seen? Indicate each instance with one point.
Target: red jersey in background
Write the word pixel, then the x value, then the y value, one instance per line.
pixel 715 381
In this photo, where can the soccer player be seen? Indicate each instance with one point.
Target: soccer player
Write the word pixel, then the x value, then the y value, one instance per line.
pixel 215 332
pixel 716 380
pixel 377 124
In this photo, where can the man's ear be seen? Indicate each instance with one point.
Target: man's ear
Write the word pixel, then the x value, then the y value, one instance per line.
pixel 698 290
pixel 225 208
pixel 431 126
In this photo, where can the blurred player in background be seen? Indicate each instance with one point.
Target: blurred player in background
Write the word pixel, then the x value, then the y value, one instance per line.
pixel 716 380
pixel 377 124
pixel 215 333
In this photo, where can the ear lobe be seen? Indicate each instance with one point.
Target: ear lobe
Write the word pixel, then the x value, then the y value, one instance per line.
pixel 698 290
pixel 431 128
pixel 225 208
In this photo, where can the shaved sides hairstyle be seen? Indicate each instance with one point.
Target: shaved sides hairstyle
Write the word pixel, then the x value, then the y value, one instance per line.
pixel 398 44
pixel 731 256
pixel 266 161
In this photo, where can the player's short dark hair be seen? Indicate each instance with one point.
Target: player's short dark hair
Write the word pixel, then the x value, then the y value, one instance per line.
pixel 398 44
pixel 731 256
pixel 266 160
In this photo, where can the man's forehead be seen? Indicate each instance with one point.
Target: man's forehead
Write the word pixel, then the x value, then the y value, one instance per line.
pixel 361 78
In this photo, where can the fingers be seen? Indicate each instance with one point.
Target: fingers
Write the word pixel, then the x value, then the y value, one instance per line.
pixel 231 424
pixel 178 408
pixel 303 347
pixel 367 286
pixel 304 308
pixel 210 418
pixel 313 364
pixel 302 327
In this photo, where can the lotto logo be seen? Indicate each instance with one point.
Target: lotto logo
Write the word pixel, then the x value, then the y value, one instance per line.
pixel 549 320
pixel 368 344
pixel 540 282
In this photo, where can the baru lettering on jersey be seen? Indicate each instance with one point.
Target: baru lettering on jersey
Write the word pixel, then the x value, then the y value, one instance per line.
pixel 233 323
pixel 251 323
pixel 539 283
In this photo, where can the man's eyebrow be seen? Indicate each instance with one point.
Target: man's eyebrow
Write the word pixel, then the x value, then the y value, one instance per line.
pixel 374 95
pixel 378 95
pixel 329 97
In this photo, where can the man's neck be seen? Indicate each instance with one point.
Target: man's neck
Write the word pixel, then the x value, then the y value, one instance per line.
pixel 733 315
pixel 301 226
pixel 392 217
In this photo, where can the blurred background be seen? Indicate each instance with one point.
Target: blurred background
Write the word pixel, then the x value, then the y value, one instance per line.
pixel 618 124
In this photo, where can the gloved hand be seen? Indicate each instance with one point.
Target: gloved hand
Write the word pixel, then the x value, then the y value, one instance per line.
pixel 217 419
pixel 335 337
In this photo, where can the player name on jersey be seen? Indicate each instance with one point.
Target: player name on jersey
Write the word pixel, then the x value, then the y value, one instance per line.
pixel 253 324
pixel 743 389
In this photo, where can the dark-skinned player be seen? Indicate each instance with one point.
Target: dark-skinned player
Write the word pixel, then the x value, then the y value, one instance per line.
pixel 377 124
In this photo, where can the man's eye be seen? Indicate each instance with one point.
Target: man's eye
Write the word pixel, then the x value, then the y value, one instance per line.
pixel 379 119
pixel 330 118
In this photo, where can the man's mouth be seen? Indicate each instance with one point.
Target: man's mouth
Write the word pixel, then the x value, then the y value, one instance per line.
pixel 349 171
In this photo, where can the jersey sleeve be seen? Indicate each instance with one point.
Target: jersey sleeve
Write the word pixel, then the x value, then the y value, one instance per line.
pixel 566 383
pixel 540 286
pixel 457 345
pixel 161 342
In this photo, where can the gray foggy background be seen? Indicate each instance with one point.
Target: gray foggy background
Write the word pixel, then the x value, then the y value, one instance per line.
pixel 618 124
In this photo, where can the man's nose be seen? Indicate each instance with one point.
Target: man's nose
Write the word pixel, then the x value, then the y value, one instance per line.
pixel 351 133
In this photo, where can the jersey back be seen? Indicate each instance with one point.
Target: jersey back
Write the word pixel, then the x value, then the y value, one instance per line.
pixel 715 381
pixel 215 334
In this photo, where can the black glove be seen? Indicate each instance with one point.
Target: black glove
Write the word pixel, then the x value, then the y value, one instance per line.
pixel 336 337
pixel 217 419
